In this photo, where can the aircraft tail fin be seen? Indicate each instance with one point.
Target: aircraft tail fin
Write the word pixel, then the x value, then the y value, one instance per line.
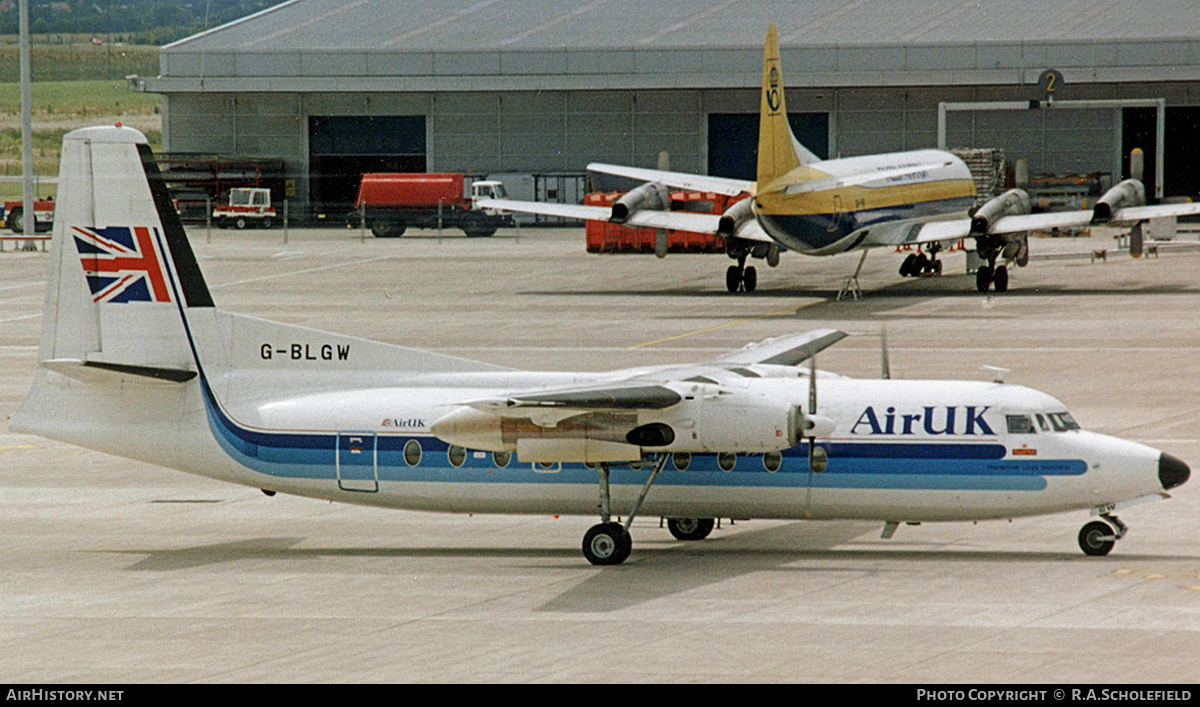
pixel 779 152
pixel 126 296
pixel 121 263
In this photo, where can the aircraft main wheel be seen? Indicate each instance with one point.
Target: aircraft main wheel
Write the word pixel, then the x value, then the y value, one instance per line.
pixel 1001 279
pixel 983 278
pixel 1097 538
pixel 690 528
pixel 733 278
pixel 906 268
pixel 750 279
pixel 937 267
pixel 607 544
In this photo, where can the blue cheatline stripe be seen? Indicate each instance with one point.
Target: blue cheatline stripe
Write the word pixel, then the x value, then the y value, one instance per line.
pixel 862 465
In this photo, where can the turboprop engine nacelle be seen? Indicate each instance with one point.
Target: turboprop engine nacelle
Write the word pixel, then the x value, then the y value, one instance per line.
pixel 651 195
pixel 715 422
pixel 733 423
pixel 734 217
pixel 1130 192
pixel 1013 202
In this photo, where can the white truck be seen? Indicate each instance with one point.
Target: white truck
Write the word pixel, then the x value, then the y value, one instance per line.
pixel 247 207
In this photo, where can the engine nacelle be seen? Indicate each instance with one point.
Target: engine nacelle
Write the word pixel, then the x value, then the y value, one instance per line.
pixel 1013 202
pixel 1130 192
pixel 651 195
pixel 734 217
pixel 739 422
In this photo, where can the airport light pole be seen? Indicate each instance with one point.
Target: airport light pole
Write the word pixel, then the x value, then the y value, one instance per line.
pixel 27 220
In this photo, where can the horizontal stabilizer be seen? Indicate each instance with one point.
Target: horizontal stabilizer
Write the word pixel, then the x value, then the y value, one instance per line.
pixel 679 180
pixel 100 372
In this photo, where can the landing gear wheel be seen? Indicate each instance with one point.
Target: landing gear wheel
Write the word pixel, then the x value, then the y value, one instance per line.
pixel 1097 538
pixel 749 279
pixel 937 268
pixel 690 528
pixel 607 544
pixel 920 265
pixel 733 278
pixel 906 268
pixel 983 279
pixel 1001 279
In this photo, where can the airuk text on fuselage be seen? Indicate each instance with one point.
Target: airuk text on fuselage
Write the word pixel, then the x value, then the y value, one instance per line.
pixel 952 420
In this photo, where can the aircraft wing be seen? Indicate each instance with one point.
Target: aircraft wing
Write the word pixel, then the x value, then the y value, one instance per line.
pixel 645 218
pixel 620 396
pixel 650 391
pixel 955 229
pixel 783 350
pixel 682 180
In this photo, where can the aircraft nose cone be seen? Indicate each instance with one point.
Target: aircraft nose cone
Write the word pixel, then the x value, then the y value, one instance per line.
pixel 1172 472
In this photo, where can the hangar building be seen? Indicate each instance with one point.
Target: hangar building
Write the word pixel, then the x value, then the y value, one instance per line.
pixel 334 88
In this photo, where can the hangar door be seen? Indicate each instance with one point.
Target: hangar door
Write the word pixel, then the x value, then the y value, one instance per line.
pixel 1181 144
pixel 343 148
pixel 733 141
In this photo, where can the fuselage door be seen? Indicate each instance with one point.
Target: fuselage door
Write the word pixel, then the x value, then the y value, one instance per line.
pixel 356 462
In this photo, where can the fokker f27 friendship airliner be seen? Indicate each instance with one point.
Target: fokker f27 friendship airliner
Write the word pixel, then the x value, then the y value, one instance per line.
pixel 921 198
pixel 136 361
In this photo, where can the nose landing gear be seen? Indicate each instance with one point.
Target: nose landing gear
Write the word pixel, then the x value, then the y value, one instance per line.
pixel 1098 537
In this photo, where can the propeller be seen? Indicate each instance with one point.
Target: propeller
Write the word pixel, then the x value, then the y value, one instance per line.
pixel 818 458
pixel 884 365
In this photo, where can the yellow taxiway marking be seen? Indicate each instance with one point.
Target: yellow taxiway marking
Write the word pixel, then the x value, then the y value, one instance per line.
pixel 790 310
pixel 10 447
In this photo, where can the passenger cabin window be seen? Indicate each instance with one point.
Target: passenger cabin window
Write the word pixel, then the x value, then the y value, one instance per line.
pixel 1020 425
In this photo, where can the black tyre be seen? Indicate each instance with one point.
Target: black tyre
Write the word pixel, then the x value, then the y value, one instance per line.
pixel 750 279
pixel 477 225
pixel 690 528
pixel 267 223
pixel 921 265
pixel 733 278
pixel 15 221
pixel 387 228
pixel 239 223
pixel 1097 539
pixel 983 278
pixel 1001 279
pixel 906 268
pixel 607 544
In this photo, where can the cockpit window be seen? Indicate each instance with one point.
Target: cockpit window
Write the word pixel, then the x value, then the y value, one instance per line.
pixel 1042 422
pixel 1020 425
pixel 1062 421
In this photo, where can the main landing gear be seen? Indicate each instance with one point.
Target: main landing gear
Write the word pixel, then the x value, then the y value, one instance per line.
pixel 996 276
pixel 609 543
pixel 1098 537
pixel 923 262
pixel 743 278
pixel 739 278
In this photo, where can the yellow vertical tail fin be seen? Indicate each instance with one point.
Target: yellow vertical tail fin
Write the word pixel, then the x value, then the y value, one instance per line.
pixel 778 150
